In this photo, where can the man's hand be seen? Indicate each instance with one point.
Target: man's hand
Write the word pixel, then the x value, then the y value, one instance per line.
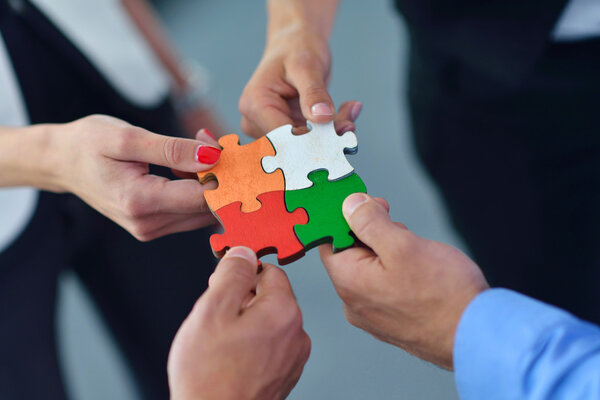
pixel 105 161
pixel 243 339
pixel 404 290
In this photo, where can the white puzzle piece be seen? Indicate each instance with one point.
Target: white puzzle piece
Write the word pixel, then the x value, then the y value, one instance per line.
pixel 299 155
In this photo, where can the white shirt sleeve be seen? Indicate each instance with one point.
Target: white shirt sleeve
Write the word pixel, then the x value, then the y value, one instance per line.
pixel 580 20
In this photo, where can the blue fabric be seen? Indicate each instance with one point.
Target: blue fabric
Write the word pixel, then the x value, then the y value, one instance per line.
pixel 509 346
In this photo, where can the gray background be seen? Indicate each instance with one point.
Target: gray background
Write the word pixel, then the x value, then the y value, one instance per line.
pixel 369 46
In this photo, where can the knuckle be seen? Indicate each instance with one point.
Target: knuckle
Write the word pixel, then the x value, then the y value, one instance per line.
pixel 133 207
pixel 245 105
pixel 124 140
pixel 173 151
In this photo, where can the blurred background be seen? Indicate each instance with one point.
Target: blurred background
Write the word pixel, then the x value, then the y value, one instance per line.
pixel 369 47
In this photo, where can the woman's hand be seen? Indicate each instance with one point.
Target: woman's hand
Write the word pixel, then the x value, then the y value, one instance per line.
pixel 105 161
pixel 403 289
pixel 244 338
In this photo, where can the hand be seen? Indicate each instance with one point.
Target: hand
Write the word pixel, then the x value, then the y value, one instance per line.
pixel 243 339
pixel 289 85
pixel 105 161
pixel 404 290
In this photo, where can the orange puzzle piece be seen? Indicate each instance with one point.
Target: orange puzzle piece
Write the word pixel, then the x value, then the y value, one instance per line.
pixel 240 175
pixel 268 230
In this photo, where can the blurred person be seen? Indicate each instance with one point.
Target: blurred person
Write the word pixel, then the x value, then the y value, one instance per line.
pixel 503 101
pixel 61 64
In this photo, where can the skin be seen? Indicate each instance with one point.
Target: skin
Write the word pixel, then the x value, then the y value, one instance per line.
pixel 105 161
pixel 403 289
pixel 291 78
pixel 243 339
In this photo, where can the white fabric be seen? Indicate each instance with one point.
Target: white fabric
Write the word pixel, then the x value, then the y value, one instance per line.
pixel 580 20
pixel 16 204
pixel 103 31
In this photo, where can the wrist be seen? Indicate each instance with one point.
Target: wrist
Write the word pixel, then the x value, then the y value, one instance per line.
pixel 287 16
pixel 28 157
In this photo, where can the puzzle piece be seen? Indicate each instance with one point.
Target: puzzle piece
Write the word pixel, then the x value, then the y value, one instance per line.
pixel 268 230
pixel 299 155
pixel 240 175
pixel 323 202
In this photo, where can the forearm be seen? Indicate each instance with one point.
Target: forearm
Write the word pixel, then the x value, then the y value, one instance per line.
pixel 284 15
pixel 151 28
pixel 26 157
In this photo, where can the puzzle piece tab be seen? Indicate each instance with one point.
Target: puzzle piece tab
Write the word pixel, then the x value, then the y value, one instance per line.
pixel 299 155
pixel 267 230
pixel 240 175
pixel 323 202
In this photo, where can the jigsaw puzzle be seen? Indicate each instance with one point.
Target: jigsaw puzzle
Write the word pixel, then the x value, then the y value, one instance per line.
pixel 283 193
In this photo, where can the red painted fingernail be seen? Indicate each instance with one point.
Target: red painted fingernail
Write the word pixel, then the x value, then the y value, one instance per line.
pixel 207 154
pixel 208 133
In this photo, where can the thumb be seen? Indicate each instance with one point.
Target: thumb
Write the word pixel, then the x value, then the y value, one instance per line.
pixel 371 223
pixel 309 79
pixel 185 155
pixel 234 277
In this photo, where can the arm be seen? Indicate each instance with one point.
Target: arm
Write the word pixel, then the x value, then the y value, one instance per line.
pixel 194 112
pixel 432 300
pixel 243 339
pixel 289 85
pixel 105 161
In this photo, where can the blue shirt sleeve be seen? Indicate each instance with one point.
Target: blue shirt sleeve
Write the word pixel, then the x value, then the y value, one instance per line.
pixel 509 346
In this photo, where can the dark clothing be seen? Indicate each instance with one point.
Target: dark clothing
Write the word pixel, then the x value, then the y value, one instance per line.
pixel 501 39
pixel 515 149
pixel 143 290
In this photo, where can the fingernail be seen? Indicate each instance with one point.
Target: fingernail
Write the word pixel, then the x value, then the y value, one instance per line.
pixel 321 109
pixel 207 154
pixel 208 133
pixel 352 202
pixel 355 111
pixel 242 252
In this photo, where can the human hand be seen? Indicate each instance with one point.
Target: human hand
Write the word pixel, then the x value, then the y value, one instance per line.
pixel 403 289
pixel 105 161
pixel 243 339
pixel 289 85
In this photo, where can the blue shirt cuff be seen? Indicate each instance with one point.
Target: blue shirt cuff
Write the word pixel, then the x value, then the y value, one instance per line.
pixel 497 338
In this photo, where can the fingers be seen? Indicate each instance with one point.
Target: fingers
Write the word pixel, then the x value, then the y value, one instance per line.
pixel 371 223
pixel 187 155
pixel 263 112
pixel 161 195
pixel 205 136
pixel 309 77
pixel 273 279
pixel 346 115
pixel 234 277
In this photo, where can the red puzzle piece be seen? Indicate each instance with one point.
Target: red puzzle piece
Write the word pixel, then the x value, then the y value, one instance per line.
pixel 268 230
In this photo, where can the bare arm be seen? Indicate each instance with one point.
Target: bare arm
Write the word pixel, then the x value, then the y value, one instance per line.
pixel 151 28
pixel 289 85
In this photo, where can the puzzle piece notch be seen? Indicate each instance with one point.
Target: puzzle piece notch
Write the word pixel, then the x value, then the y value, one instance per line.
pixel 323 203
pixel 268 230
pixel 299 155
pixel 239 174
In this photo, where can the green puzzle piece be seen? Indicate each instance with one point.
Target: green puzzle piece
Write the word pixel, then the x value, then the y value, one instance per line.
pixel 323 203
